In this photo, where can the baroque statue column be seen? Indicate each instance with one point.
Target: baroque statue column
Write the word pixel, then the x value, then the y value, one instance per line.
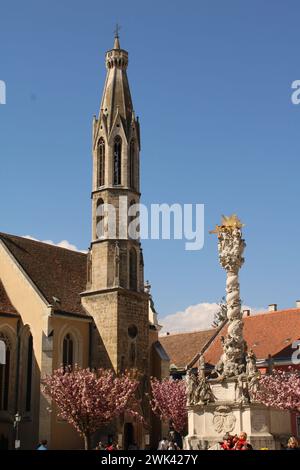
pixel 221 401
pixel 231 246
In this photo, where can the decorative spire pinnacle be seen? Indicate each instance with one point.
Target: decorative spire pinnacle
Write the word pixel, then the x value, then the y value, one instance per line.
pixel 117 42
pixel 116 96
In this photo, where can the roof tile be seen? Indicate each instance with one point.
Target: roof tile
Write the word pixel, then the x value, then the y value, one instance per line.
pixel 56 272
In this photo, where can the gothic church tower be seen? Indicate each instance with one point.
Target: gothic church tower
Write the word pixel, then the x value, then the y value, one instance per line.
pixel 115 294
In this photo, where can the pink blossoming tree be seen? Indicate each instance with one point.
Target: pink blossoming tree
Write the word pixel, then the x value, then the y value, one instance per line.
pixel 169 401
pixel 90 399
pixel 281 389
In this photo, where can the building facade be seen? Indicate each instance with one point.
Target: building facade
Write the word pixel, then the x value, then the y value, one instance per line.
pixel 64 307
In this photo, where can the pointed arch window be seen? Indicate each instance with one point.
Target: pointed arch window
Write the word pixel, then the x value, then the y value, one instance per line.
pixel 100 219
pixel 117 160
pixel 29 374
pixel 101 162
pixel 68 351
pixel 4 375
pixel 132 164
pixel 132 269
pixel 132 354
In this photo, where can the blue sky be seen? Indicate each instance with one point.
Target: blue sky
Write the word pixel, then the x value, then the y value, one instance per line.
pixel 211 82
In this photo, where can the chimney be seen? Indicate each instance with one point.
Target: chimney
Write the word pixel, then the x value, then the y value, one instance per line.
pixel 246 312
pixel 273 308
pixel 297 303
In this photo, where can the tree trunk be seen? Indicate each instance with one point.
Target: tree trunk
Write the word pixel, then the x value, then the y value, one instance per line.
pixel 87 441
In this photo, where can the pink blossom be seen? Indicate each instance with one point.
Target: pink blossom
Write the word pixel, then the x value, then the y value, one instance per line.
pixel 281 389
pixel 90 399
pixel 169 401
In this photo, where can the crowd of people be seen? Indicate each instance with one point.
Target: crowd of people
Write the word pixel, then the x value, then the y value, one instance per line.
pixel 109 446
pixel 229 442
pixel 239 442
pixel 168 444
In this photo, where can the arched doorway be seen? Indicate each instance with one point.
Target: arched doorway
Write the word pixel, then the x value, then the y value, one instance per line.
pixel 128 435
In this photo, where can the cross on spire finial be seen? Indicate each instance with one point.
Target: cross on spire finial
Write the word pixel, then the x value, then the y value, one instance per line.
pixel 116 31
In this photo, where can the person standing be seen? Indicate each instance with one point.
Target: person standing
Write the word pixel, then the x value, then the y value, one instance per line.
pixel 43 445
pixel 241 442
pixel 163 444
pixel 293 444
pixel 227 443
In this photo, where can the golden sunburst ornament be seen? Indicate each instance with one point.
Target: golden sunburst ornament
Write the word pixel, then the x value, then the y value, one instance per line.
pixel 228 223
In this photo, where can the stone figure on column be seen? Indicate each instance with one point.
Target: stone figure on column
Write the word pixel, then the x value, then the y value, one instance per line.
pixel 231 246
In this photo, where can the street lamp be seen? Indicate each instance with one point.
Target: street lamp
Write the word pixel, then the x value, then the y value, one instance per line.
pixel 17 421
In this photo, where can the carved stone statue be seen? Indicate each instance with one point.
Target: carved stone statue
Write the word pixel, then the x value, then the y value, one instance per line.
pixel 191 386
pixel 230 247
pixel 198 389
pixel 252 372
pixel 201 367
pixel 204 392
pixel 223 420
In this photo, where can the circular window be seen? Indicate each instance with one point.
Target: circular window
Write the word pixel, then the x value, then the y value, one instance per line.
pixel 132 331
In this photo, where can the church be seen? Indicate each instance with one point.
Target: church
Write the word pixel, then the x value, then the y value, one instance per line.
pixel 62 307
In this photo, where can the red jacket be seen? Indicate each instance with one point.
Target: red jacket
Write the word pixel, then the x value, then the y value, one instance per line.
pixel 241 444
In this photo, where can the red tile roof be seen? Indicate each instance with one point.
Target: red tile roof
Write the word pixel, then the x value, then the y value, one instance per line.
pixel 56 272
pixel 182 347
pixel 5 304
pixel 267 333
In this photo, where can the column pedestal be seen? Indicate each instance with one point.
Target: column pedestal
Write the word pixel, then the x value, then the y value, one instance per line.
pixel 265 427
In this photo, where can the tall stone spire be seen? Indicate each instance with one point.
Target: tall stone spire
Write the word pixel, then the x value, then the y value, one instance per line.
pixel 115 294
pixel 116 98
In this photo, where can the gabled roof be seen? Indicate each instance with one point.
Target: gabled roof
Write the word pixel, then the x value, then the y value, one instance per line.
pixel 183 347
pixel 57 273
pixel 5 304
pixel 267 333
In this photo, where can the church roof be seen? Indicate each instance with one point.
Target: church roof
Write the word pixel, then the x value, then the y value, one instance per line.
pixel 59 274
pixel 5 304
pixel 266 334
pixel 183 347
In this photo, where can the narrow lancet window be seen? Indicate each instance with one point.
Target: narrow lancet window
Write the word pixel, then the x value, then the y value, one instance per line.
pixel 117 161
pixel 5 379
pixel 101 162
pixel 132 165
pixel 132 269
pixel 67 351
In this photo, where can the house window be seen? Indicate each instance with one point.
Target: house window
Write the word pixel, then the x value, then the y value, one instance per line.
pixel 132 269
pixel 101 162
pixel 68 347
pixel 117 161
pixel 29 374
pixel 4 378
